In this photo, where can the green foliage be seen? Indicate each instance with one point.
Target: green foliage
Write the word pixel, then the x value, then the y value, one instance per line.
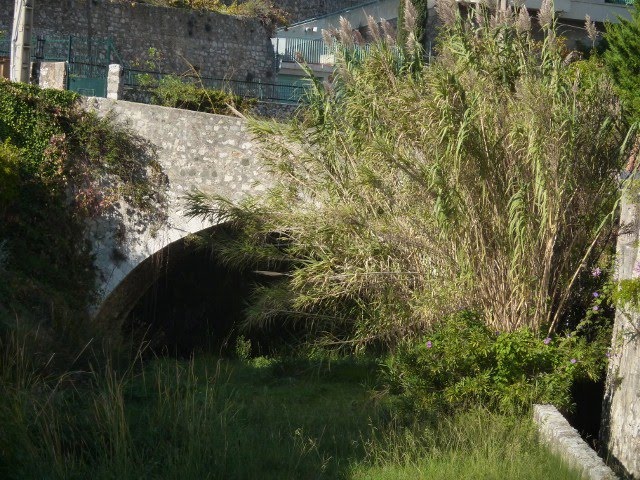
pixel 59 167
pixel 485 181
pixel 174 91
pixel 220 419
pixel 9 174
pixel 626 293
pixel 461 363
pixel 265 10
pixel 243 348
pixel 622 58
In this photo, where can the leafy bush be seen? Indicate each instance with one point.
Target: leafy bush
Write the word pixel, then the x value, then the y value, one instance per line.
pixel 486 181
pixel 462 363
pixel 176 92
pixel 265 10
pixel 59 167
pixel 9 174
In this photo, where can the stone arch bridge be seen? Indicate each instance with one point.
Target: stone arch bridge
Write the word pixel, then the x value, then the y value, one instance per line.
pixel 213 153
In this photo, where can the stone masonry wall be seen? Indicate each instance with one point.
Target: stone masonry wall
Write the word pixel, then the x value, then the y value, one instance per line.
pixel 220 46
pixel 213 153
pixel 562 439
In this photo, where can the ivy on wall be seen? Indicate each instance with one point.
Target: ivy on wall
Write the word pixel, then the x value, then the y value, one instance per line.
pixel 59 167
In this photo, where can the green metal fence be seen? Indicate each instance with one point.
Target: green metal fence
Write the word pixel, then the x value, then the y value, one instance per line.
pixel 269 92
pixel 87 59
pixel 5 47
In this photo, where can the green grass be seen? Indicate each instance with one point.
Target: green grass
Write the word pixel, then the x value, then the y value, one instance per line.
pixel 214 418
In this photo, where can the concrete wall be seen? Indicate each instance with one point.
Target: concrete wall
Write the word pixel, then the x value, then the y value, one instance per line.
pixel 299 10
pixel 221 46
pixel 387 9
pixel 213 153
pixel 621 411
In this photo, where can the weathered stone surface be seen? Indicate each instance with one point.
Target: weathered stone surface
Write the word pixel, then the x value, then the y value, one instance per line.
pixel 621 410
pixel 53 75
pixel 115 83
pixel 565 441
pixel 218 46
pixel 213 153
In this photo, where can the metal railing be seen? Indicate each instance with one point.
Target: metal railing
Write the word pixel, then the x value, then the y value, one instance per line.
pixel 316 52
pixel 269 92
pixel 303 50
pixel 98 51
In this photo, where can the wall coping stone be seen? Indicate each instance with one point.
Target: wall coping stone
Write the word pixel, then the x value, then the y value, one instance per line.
pixel 564 440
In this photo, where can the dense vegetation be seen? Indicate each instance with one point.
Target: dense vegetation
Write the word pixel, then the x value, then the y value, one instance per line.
pixel 60 166
pixel 190 93
pixel 262 9
pixel 485 182
pixel 622 58
pixel 438 242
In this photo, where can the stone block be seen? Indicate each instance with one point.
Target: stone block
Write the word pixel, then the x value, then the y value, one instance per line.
pixel 564 440
pixel 115 82
pixel 53 75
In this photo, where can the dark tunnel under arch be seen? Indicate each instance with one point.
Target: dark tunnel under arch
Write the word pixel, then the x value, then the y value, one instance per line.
pixel 182 298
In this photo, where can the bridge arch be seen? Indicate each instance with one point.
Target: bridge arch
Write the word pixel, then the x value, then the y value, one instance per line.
pixel 213 153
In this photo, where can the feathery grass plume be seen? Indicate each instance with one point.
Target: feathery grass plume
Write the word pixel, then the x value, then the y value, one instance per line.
pixel 523 22
pixel 447 11
pixel 485 182
pixel 328 36
pixel 590 27
pixel 373 29
pixel 389 32
pixel 345 32
pixel 358 38
pixel 546 14
pixel 412 42
pixel 410 16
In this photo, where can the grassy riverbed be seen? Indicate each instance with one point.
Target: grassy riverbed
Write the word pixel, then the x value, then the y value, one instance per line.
pixel 260 419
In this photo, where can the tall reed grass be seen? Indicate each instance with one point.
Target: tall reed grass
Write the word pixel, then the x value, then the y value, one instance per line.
pixel 486 180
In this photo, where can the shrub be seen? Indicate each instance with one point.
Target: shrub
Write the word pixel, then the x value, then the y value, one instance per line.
pixel 176 92
pixel 9 174
pixel 61 166
pixel 622 58
pixel 462 363
pixel 265 10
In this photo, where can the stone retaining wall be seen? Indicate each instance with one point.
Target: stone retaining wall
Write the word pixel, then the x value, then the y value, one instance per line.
pixel 620 431
pixel 219 46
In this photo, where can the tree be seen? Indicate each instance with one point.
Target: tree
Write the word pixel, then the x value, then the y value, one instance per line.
pixel 622 58
pixel 484 181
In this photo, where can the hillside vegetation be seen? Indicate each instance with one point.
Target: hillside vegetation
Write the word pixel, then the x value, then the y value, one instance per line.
pixel 265 10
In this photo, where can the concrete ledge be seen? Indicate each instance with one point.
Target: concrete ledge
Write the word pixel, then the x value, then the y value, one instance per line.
pixel 565 441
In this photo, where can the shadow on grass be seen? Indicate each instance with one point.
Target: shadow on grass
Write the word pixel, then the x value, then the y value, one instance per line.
pixel 262 419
